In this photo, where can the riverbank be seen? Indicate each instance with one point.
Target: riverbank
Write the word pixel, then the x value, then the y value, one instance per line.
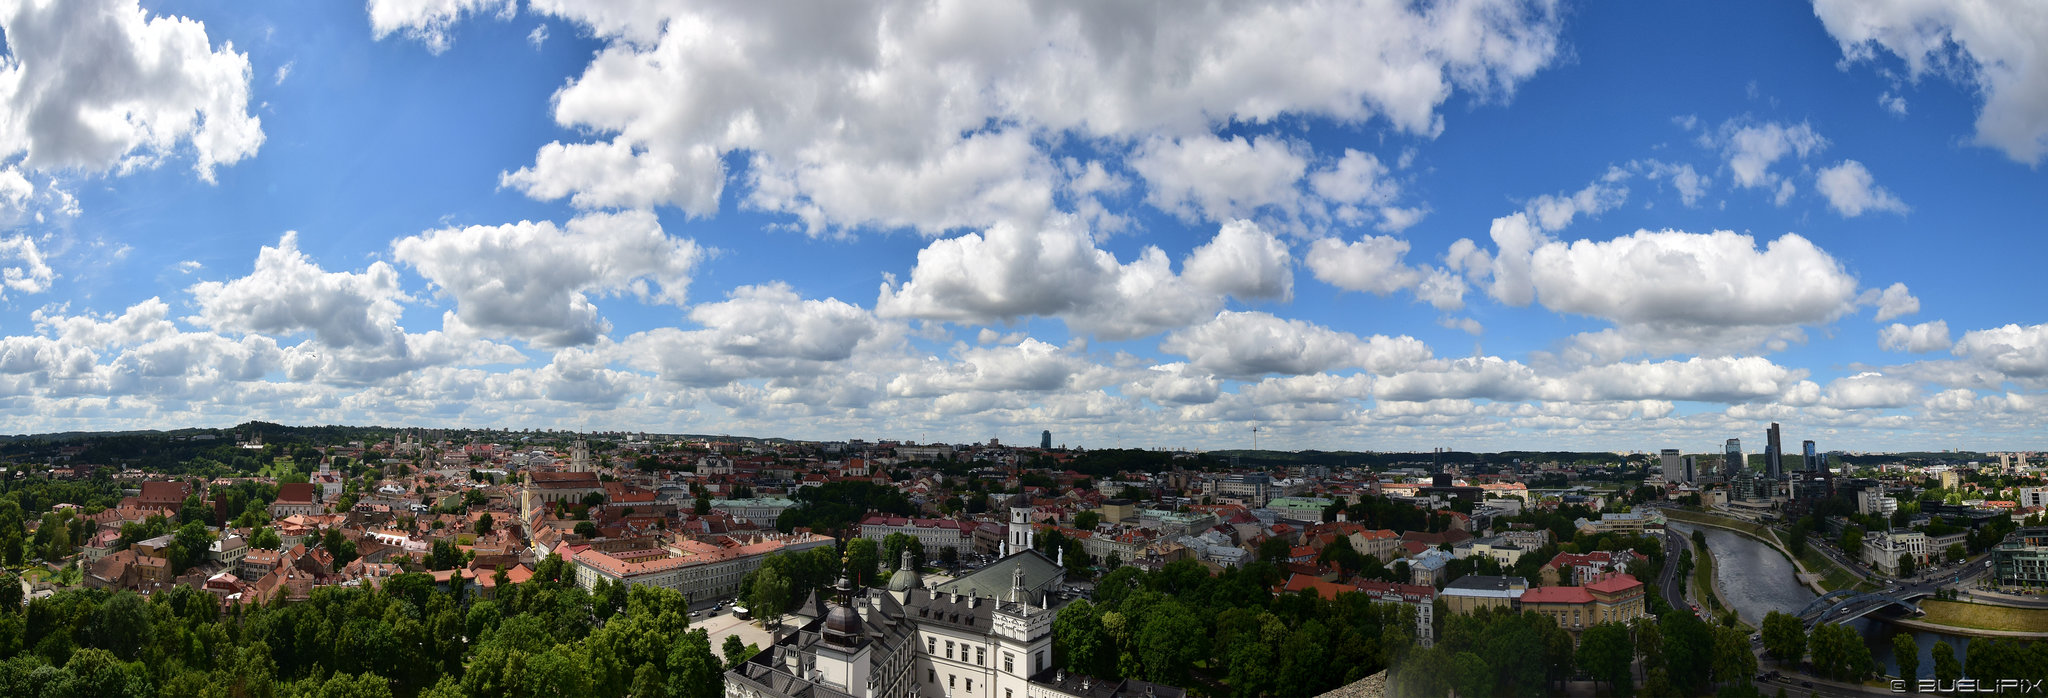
pixel 1958 630
pixel 1703 578
pixel 1753 530
pixel 1703 575
pixel 1951 615
pixel 1757 532
pixel 1830 575
pixel 1955 618
pixel 1833 577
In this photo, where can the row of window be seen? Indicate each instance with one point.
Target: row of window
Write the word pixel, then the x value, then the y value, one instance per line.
pixel 933 677
pixel 931 647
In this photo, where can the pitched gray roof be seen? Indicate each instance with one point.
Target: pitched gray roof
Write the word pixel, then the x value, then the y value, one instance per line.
pixel 1041 575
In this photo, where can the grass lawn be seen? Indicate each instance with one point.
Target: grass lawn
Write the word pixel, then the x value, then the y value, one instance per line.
pixel 1703 576
pixel 284 466
pixel 1755 530
pixel 1983 617
pixel 1832 576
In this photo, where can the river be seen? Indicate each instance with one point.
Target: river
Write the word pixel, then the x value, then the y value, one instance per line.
pixel 1756 579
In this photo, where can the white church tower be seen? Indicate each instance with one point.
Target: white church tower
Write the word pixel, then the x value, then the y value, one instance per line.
pixel 579 457
pixel 1019 539
pixel 526 498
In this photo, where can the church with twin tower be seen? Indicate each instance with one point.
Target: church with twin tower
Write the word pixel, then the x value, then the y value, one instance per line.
pixel 987 634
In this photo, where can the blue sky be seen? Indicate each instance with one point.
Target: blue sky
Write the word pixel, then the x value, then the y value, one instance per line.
pixel 1472 223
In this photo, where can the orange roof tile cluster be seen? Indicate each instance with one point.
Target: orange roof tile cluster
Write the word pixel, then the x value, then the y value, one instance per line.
pixel 1614 584
pixel 616 567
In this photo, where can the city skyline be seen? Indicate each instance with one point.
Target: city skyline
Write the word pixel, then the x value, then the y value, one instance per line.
pixel 1493 225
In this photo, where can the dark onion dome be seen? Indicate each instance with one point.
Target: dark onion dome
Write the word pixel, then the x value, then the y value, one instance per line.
pixel 842 625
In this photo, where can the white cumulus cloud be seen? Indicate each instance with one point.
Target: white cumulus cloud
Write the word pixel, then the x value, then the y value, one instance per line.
pixel 1996 48
pixel 1208 178
pixel 1715 279
pixel 1751 149
pixel 1870 390
pixel 1918 339
pixel 762 332
pixel 98 85
pixel 1851 190
pixel 1896 104
pixel 287 293
pixel 1008 272
pixel 1242 261
pixel 1555 211
pixel 1248 344
pixel 2017 351
pixel 534 280
pixel 23 268
pixel 429 21
pixel 941 116
pixel 1373 264
pixel 1668 292
pixel 1894 301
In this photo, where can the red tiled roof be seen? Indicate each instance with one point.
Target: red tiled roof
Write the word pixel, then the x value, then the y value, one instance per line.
pixel 295 492
pixel 1614 584
pixel 1557 595
pixel 545 478
pixel 163 492
pixel 1327 590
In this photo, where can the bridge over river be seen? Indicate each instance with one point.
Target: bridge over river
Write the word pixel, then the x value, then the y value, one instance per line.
pixel 1844 605
pixel 1757 579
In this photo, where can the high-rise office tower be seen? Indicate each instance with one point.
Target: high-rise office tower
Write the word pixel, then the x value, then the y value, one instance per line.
pixel 1812 459
pixel 1672 471
pixel 1774 452
pixel 1733 463
pixel 1045 439
pixel 1692 473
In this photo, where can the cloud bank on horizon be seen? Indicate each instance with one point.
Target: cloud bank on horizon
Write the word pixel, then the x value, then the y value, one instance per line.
pixel 1362 224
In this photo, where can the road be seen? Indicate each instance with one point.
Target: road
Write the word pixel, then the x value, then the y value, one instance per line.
pixel 1827 548
pixel 1672 586
pixel 1957 577
pixel 1927 588
pixel 1801 684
